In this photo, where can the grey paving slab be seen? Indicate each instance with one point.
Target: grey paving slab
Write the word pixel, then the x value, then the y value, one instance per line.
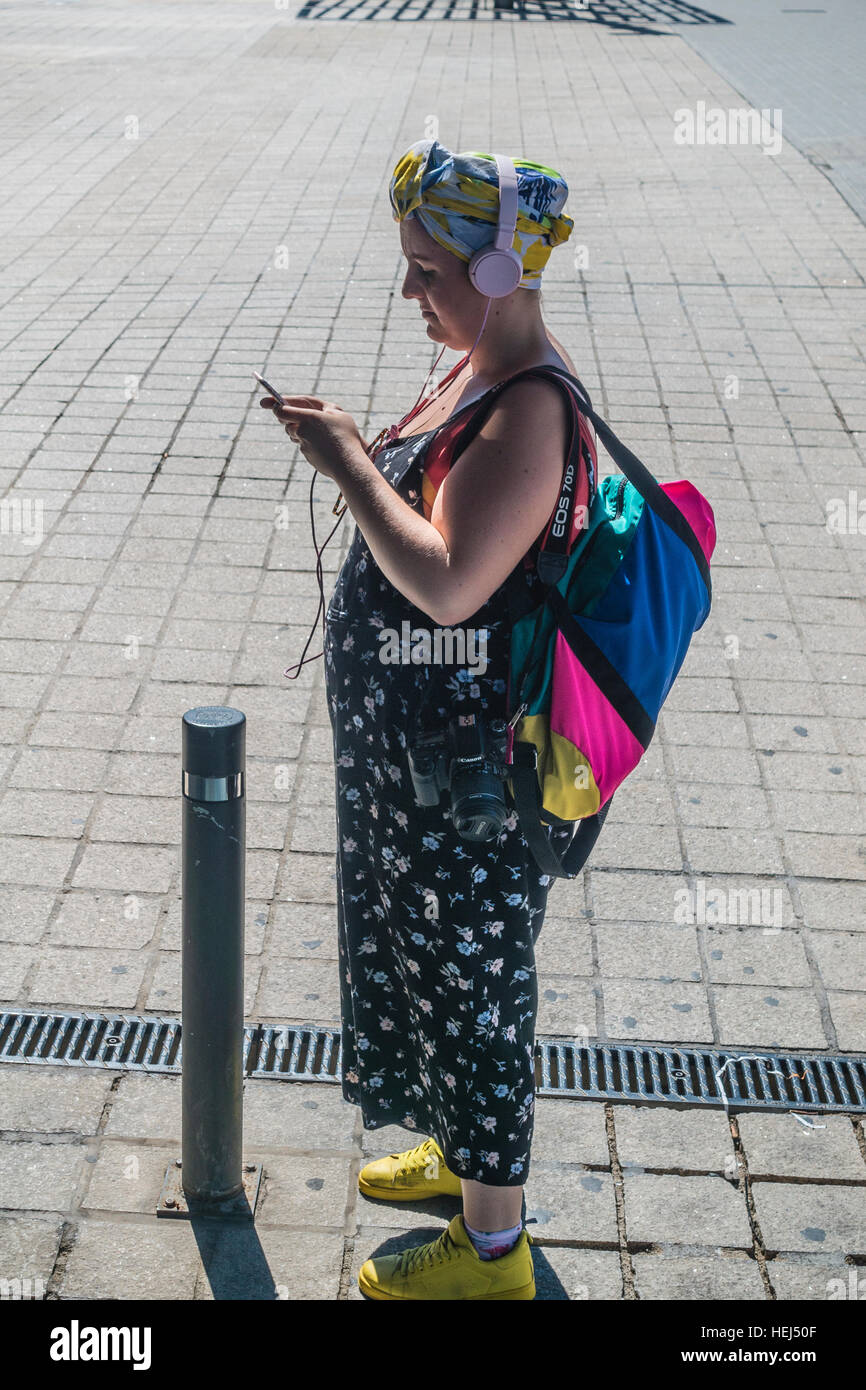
pixel 305 991
pixel 566 1005
pixel 564 1202
pixel 757 1015
pixel 28 1249
pixel 708 1211
pixel 848 1015
pixel 743 955
pixel 52 1101
pixel 577 1275
pixel 39 1177
pixel 167 1260
pixel 24 912
pixel 831 906
pixel 662 1137
pixel 636 1009
pixel 817 1279
pixel 811 1217
pixel 418 1217
pixel 108 979
pixel 307 1191
pixel 156 1259
pixel 655 951
pixel 671 1277
pixel 297 1264
pixel 570 1132
pixel 106 920
pixel 841 958
pixel 565 947
pixel 779 1146
pixel 300 929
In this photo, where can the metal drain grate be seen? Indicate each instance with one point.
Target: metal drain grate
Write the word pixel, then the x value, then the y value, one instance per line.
pixel 565 1067
pixel 133 1043
pixel 700 1076
pixel 139 1042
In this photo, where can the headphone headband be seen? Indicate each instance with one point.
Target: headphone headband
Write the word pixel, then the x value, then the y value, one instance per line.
pixel 507 224
pixel 496 269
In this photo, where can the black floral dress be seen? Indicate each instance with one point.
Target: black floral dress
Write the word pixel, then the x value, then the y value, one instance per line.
pixel 436 933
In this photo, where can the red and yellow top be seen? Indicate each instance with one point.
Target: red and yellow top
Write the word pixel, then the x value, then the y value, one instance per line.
pixel 439 457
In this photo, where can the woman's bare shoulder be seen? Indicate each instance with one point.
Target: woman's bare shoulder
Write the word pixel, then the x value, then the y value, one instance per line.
pixel 559 351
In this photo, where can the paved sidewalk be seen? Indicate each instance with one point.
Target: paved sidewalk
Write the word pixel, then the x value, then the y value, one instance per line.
pixel 805 60
pixel 192 191
pixel 622 1202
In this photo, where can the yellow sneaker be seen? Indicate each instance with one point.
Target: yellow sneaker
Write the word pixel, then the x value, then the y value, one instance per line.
pixel 450 1268
pixel 419 1172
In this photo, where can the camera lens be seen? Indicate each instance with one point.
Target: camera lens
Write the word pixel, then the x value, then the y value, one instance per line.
pixel 478 807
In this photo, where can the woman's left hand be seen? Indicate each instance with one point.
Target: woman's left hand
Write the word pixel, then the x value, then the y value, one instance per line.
pixel 323 432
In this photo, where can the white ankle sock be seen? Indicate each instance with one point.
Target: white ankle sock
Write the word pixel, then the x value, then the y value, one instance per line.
pixel 491 1244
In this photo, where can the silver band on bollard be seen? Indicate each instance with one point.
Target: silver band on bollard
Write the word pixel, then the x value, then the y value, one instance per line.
pixel 212 788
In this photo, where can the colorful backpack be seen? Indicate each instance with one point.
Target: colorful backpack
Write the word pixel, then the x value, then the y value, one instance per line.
pixel 593 663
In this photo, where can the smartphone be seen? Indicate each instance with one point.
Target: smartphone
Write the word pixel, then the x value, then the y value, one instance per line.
pixel 269 388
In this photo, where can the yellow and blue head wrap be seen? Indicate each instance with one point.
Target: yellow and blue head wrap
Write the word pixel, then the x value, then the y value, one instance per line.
pixel 456 199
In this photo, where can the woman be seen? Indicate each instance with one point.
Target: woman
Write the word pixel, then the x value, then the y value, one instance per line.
pixel 437 932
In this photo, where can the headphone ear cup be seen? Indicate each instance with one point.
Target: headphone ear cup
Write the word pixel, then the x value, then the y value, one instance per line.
pixel 495 273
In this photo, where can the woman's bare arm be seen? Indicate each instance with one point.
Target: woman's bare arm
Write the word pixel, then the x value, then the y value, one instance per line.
pixel 489 509
pixel 500 494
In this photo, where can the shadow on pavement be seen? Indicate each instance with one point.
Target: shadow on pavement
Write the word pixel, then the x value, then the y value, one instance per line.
pixel 233 1259
pixel 627 16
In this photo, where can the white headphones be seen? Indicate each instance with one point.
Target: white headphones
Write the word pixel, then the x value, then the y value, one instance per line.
pixel 496 270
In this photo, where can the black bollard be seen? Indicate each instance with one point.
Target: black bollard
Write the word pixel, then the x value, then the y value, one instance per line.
pixel 214 826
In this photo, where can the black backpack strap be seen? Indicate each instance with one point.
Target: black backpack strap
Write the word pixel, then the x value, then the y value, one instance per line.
pixel 527 801
pixel 641 479
pixel 519 596
pixel 628 463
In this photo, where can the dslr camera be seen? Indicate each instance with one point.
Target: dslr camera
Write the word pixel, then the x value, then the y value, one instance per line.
pixel 468 758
